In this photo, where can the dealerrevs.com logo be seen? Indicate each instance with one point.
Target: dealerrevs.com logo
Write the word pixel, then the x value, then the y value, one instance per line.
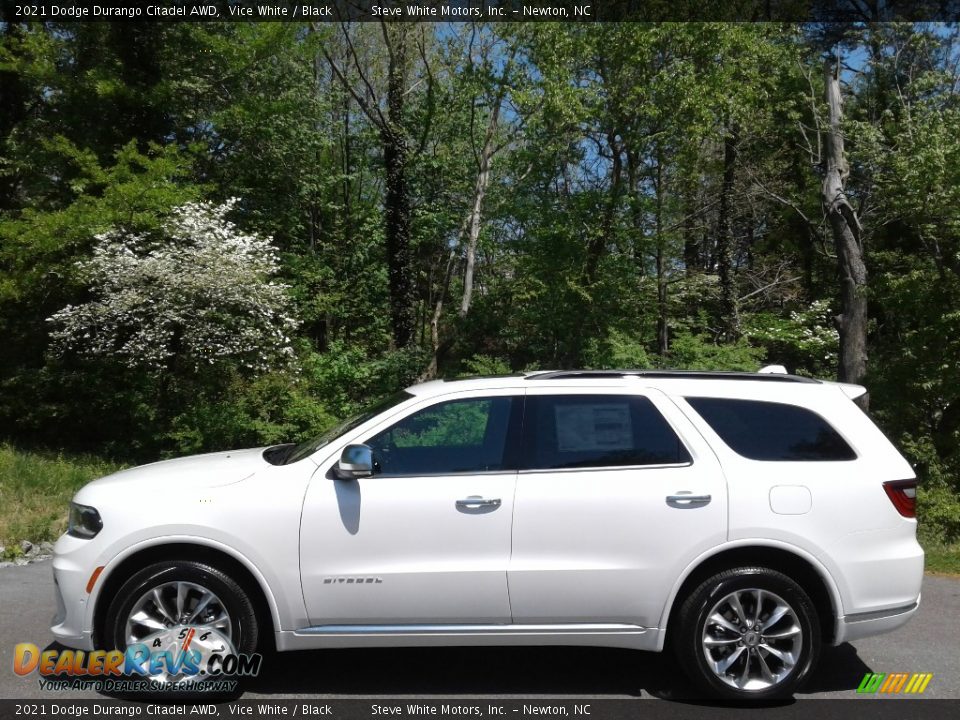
pixel 180 658
pixel 894 683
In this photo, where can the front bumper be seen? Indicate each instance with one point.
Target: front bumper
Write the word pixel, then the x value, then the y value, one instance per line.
pixel 861 625
pixel 70 577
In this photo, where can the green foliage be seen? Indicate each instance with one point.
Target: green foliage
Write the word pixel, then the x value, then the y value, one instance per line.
pixel 485 365
pixel 345 379
pixel 35 489
pixel 619 350
pixel 938 513
pixel 599 229
pixel 700 353
pixel 271 409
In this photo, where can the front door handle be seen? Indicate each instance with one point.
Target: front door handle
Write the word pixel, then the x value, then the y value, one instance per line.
pixel 475 501
pixel 685 499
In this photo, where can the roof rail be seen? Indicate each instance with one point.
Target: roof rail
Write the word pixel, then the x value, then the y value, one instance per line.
pixel 668 374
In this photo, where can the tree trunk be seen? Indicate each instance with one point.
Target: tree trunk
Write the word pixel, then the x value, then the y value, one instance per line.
pixel 691 244
pixel 852 321
pixel 728 295
pixel 476 211
pixel 663 319
pixel 397 200
pixel 437 347
pixel 396 157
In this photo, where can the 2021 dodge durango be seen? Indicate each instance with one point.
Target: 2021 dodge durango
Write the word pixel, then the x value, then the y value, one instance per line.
pixel 741 520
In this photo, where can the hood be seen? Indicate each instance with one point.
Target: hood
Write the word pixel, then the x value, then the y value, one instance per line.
pixel 195 471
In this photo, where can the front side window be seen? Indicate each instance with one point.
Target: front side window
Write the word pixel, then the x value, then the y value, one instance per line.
pixel 760 430
pixel 457 436
pixel 582 431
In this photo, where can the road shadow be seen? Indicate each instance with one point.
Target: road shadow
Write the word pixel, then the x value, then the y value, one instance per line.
pixel 463 671
pixel 840 668
pixel 575 671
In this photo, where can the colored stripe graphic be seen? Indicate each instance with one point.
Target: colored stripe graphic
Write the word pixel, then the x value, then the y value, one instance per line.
pixel 894 683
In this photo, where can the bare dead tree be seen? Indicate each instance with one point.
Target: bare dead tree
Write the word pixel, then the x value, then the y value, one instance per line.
pixel 469 234
pixel 851 323
pixel 484 160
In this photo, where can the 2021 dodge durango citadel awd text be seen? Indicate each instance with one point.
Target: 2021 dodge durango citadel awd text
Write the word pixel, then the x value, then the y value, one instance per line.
pixel 741 520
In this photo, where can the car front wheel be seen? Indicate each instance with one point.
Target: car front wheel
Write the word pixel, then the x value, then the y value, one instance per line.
pixel 749 633
pixel 177 601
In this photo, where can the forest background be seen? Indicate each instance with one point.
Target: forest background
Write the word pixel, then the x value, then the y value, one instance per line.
pixel 221 235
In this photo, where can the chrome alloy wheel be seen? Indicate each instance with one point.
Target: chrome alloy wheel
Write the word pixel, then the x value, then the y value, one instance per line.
pixel 752 639
pixel 175 604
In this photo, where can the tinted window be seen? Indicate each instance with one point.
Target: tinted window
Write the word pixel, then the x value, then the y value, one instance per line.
pixel 451 437
pixel 772 431
pixel 576 431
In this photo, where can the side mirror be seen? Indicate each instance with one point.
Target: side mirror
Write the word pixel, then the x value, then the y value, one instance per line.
pixel 356 461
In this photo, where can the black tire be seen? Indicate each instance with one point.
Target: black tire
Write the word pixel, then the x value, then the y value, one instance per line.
pixel 236 600
pixel 692 628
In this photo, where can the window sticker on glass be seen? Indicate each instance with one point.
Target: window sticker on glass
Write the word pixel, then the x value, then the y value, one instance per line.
pixel 582 427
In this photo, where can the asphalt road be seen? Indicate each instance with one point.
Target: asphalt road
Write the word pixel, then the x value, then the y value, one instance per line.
pixel 929 643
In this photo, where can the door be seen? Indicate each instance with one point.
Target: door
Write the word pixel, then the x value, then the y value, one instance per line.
pixel 426 540
pixel 611 505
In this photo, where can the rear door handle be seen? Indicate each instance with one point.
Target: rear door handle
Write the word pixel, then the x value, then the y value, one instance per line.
pixel 475 501
pixel 685 499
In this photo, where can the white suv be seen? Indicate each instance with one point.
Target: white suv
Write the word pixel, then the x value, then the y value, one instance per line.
pixel 743 519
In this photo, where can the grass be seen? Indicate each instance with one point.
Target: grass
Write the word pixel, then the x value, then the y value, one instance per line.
pixel 942 559
pixel 35 489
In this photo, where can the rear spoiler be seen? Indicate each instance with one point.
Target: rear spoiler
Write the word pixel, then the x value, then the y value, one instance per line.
pixel 850 390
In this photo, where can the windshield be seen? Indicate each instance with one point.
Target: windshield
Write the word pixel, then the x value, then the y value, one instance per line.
pixel 311 446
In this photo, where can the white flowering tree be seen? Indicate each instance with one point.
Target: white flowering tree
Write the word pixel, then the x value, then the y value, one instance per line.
pixel 807 337
pixel 202 294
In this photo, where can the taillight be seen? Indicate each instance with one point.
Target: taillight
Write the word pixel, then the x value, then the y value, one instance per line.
pixel 903 495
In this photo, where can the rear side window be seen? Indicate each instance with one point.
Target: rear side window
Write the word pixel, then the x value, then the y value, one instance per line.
pixel 772 431
pixel 580 431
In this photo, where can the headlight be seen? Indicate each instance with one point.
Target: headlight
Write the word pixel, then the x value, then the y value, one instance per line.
pixel 85 521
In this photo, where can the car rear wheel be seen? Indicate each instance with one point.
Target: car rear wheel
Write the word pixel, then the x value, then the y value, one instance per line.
pixel 749 633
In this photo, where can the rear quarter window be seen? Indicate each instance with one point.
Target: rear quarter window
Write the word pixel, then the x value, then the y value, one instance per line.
pixel 760 430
